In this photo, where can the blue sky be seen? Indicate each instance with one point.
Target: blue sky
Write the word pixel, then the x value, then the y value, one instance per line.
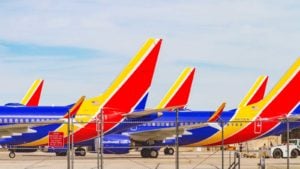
pixel 79 46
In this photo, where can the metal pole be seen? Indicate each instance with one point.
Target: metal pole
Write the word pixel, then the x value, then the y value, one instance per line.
pixel 222 125
pixel 176 143
pixel 68 145
pixel 72 142
pixel 287 143
pixel 229 157
pixel 101 145
pixel 98 141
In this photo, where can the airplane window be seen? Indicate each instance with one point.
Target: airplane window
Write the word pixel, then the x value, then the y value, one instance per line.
pixel 16 120
pixel 167 124
pixel 21 120
pixel 10 120
pixel 5 120
pixel 153 124
pixel 158 124
pixel 32 120
pixel 26 120
pixel 0 120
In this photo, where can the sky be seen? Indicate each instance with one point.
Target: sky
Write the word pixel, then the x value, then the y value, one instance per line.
pixel 79 46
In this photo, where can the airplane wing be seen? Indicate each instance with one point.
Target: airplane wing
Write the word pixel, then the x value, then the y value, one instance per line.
pixel 138 114
pixel 162 134
pixel 18 129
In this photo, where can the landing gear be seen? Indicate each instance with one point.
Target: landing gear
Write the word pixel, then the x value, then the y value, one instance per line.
pixel 12 154
pixel 80 151
pixel 149 153
pixel 169 151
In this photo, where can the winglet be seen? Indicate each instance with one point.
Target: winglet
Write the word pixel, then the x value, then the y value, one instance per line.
pixel 256 92
pixel 32 97
pixel 217 113
pixel 180 91
pixel 73 110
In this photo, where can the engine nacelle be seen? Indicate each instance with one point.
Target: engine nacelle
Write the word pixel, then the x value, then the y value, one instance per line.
pixel 114 144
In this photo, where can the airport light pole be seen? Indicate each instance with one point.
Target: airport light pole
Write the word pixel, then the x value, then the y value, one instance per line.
pixel 176 142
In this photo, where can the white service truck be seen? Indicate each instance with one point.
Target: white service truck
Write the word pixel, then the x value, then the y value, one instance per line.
pixel 280 151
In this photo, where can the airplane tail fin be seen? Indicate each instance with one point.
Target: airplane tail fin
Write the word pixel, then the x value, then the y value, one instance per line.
pixel 285 95
pixel 256 92
pixel 179 93
pixel 133 83
pixel 32 97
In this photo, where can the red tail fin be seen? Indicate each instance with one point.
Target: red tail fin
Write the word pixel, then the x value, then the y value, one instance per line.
pixel 180 91
pixel 32 97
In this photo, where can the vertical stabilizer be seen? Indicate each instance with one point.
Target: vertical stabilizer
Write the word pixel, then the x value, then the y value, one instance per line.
pixel 32 97
pixel 179 93
pixel 256 92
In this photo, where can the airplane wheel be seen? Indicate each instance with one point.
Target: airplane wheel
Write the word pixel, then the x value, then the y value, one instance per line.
pixel 145 153
pixel 153 153
pixel 80 152
pixel 12 154
pixel 277 153
pixel 169 151
pixel 166 151
pixel 294 154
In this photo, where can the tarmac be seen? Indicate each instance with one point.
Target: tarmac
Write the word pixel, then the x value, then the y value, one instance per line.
pixel 188 160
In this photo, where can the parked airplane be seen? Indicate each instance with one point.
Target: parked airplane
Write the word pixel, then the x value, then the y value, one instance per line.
pixel 256 117
pixel 115 105
pixel 114 141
